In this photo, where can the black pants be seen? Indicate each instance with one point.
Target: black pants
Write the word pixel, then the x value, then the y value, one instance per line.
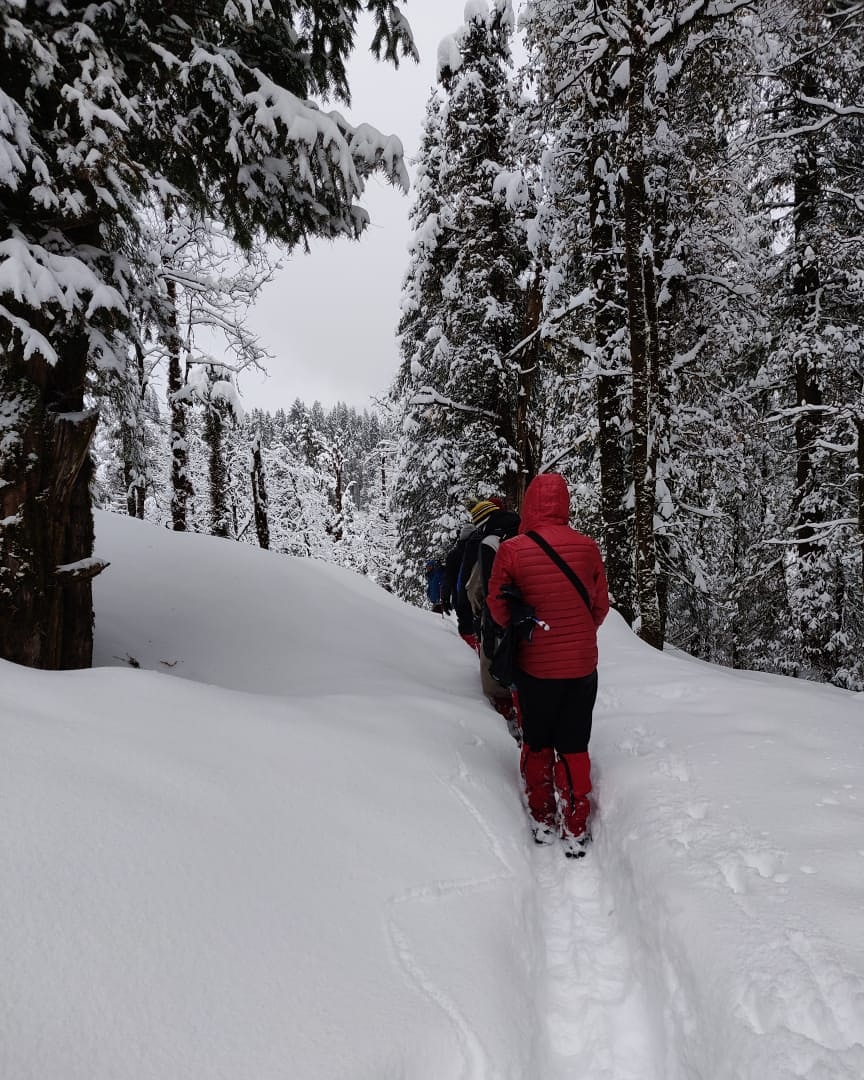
pixel 556 712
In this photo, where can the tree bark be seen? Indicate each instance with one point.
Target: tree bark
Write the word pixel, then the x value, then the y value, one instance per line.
pixel 181 485
pixel 808 392
pixel 132 437
pixel 337 527
pixel 634 237
pixel 859 429
pixel 806 283
pixel 529 360
pixel 217 474
pixel 46 518
pixel 608 308
pixel 259 495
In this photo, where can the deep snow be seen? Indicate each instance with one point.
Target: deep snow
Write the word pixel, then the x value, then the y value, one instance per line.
pixel 304 855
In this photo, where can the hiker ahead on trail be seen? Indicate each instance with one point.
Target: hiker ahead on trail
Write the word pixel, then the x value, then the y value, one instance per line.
pixel 452 600
pixel 497 527
pixel 459 564
pixel 556 675
pixel 435 585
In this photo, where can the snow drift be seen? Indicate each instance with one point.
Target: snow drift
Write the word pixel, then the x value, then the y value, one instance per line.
pixel 290 844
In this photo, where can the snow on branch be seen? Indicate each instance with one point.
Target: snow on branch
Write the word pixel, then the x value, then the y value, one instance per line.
pixel 449 56
pixel 33 343
pixel 742 290
pixel 427 395
pixel 792 133
pixel 667 29
pixel 15 142
pixel 352 151
pixel 38 277
pixel 816 532
pixel 680 360
pixel 831 106
pixel 42 280
pixel 578 301
pixel 82 570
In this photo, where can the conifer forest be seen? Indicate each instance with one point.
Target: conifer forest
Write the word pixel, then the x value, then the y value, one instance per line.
pixel 637 259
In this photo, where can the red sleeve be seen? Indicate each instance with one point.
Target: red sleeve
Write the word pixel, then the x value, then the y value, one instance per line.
pixel 600 605
pixel 502 574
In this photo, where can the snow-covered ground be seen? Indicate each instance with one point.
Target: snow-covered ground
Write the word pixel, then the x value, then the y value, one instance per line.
pixel 291 846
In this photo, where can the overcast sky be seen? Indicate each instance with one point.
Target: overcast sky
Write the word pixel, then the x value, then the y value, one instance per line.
pixel 329 317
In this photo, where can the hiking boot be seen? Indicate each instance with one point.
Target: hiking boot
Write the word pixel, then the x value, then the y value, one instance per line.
pixel 576 847
pixel 543 834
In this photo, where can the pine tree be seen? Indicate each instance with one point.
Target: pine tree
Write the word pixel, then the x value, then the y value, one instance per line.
pixel 425 488
pixel 465 395
pixel 204 105
pixel 484 294
pixel 816 127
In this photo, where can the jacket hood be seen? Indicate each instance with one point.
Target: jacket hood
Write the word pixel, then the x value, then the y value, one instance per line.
pixel 547 502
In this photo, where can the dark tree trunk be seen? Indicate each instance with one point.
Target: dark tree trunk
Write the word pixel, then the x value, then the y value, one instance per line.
pixel 259 496
pixel 181 485
pixel 808 392
pixel 634 237
pixel 657 420
pixel 859 429
pixel 217 474
pixel 807 501
pixel 529 360
pixel 46 538
pixel 608 308
pixel 132 437
pixel 336 530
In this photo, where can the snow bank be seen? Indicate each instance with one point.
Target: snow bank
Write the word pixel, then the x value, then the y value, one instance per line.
pixel 304 855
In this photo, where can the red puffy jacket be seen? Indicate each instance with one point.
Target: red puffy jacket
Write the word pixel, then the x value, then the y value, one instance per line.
pixel 568 650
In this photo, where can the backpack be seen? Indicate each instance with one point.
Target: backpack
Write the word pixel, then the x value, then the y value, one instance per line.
pixel 505 645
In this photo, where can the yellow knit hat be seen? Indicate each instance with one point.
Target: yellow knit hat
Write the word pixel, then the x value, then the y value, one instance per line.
pixel 482 510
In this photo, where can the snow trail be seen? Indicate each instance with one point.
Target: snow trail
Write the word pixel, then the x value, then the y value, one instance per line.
pixel 263 859
pixel 591 1016
pixel 597 1021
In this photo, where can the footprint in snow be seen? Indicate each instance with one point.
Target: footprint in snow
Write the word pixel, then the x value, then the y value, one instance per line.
pixel 736 866
pixel 675 767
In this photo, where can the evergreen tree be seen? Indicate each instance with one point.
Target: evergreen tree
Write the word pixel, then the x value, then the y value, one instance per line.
pixel 426 487
pixel 816 127
pixel 461 383
pixel 484 293
pixel 203 104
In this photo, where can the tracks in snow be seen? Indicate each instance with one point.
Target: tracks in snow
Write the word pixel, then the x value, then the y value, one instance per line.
pixel 591 1017
pixel 595 1010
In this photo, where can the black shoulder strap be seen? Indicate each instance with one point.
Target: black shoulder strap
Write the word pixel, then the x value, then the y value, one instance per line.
pixel 559 562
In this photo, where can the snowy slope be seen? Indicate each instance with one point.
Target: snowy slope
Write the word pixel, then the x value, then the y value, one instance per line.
pixel 303 855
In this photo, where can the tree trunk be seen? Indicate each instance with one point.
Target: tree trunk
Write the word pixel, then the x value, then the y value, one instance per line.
pixel 608 305
pixel 859 429
pixel 217 474
pixel 807 501
pixel 529 360
pixel 634 238
pixel 132 437
pixel 336 530
pixel 46 519
pixel 181 485
pixel 259 495
pixel 808 392
pixel 657 421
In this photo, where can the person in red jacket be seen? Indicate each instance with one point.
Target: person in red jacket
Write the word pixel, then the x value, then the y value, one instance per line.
pixel 556 675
